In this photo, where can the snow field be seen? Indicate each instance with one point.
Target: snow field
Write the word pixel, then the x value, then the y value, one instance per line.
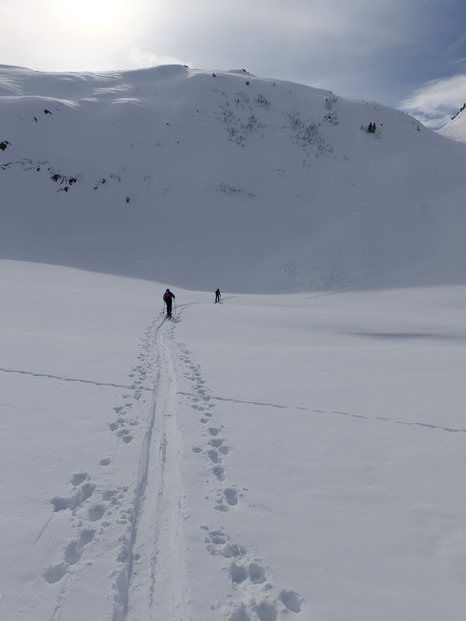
pixel 267 458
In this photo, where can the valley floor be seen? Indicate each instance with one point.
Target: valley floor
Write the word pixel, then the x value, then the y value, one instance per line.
pixel 266 458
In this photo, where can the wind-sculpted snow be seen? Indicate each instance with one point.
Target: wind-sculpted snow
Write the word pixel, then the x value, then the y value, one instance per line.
pixel 196 177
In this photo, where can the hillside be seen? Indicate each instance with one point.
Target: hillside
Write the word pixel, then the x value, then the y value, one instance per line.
pixel 285 457
pixel 202 179
pixel 456 128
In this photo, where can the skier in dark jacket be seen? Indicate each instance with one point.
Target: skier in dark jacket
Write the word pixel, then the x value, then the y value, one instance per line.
pixel 218 295
pixel 167 298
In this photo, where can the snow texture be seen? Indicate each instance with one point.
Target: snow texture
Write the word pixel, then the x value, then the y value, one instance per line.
pixel 193 178
pixel 294 452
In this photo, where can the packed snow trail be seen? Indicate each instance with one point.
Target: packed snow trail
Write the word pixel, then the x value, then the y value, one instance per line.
pixel 234 582
pixel 153 584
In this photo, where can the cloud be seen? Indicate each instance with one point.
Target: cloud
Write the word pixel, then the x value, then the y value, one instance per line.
pixel 336 45
pixel 437 101
pixel 358 49
pixel 274 30
pixel 63 35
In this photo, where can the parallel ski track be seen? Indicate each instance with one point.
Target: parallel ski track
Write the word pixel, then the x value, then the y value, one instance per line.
pixel 155 588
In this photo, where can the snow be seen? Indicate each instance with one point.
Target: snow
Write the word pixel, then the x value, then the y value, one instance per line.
pixel 260 185
pixel 294 452
pixel 456 128
pixel 268 457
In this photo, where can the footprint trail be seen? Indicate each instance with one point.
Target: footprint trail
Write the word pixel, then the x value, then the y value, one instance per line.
pixel 252 595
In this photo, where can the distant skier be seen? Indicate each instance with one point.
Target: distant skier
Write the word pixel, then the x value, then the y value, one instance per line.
pixel 218 295
pixel 168 296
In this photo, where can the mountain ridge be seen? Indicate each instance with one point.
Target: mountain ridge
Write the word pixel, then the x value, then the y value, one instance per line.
pixel 456 128
pixel 203 179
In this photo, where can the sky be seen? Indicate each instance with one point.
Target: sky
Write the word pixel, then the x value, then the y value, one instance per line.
pixel 409 55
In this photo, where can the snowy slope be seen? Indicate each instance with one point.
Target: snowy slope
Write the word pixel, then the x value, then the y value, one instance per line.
pixel 270 458
pixel 456 128
pixel 279 456
pixel 263 185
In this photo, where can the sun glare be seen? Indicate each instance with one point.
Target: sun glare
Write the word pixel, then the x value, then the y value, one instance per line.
pixel 95 11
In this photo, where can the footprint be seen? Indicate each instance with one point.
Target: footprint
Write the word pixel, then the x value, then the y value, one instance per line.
pixel 291 600
pixel 83 493
pixel 72 553
pixel 240 614
pixel 55 574
pixel 231 496
pixel 219 544
pixel 96 512
pixel 216 442
pixel 73 550
pixel 86 536
pixel 216 537
pixel 110 495
pixel 213 455
pixel 266 611
pixel 256 573
pixel 238 573
pixel 214 431
pixel 219 472
pixel 105 462
pixel 87 490
pixel 78 478
pixel 59 503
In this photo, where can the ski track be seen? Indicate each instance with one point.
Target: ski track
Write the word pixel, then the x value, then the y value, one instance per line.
pixel 156 587
pixel 70 379
pixel 252 596
pixel 334 412
pixel 144 523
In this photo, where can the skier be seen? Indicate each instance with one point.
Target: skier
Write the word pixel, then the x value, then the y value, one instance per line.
pixel 218 295
pixel 167 298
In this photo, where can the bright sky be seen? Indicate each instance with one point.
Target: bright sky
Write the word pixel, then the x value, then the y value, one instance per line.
pixel 407 54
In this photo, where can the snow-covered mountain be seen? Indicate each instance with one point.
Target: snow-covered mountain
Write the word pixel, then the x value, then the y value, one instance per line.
pixel 456 128
pixel 203 179
pixel 286 457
